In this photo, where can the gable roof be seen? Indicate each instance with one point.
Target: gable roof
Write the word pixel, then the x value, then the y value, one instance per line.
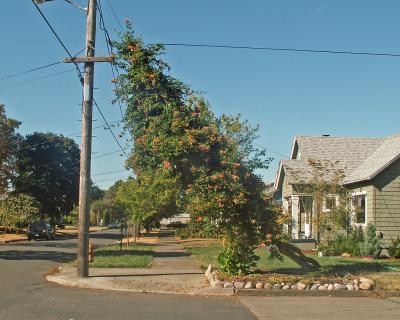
pixel 387 153
pixel 360 158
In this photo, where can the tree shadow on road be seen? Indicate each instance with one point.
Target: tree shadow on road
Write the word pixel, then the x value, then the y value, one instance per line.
pixel 37 255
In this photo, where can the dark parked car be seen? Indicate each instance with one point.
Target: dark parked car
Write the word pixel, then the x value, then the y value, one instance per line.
pixel 40 230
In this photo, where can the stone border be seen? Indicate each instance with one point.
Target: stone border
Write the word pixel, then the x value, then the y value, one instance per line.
pixel 359 287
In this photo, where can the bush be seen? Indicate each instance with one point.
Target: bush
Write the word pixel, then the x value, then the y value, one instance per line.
pixel 344 243
pixel 394 248
pixel 371 246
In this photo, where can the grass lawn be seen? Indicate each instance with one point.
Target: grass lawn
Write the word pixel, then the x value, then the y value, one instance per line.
pixel 135 256
pixel 330 265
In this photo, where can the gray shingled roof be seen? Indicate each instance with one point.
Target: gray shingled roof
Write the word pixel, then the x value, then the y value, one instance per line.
pixel 359 158
pixel 349 152
pixel 383 156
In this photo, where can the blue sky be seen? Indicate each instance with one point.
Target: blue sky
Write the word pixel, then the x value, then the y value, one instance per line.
pixel 287 94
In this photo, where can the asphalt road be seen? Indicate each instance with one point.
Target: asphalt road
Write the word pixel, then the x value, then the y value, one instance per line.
pixel 26 295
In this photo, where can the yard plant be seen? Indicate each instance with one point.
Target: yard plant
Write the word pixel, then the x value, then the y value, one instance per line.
pixel 212 160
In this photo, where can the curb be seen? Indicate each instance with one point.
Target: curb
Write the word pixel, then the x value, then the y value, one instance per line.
pixel 102 285
pixel 316 293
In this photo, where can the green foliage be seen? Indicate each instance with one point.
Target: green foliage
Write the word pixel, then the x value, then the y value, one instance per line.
pixel 394 248
pixel 48 170
pixel 371 246
pixel 344 244
pixel 95 192
pixel 17 211
pixel 8 147
pixel 237 256
pixel 213 159
pixel 148 196
pixel 358 243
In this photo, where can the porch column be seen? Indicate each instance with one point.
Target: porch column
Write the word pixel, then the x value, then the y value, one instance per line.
pixel 295 216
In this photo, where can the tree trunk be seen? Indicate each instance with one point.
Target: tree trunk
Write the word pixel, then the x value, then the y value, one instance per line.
pixel 297 256
pixel 120 240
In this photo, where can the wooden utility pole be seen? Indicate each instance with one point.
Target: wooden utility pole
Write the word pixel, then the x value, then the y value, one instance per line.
pixel 86 147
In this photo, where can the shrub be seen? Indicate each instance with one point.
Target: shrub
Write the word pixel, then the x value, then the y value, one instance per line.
pixel 394 248
pixel 371 246
pixel 344 243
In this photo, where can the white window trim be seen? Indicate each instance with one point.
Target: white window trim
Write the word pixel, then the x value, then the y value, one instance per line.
pixel 359 193
pixel 332 196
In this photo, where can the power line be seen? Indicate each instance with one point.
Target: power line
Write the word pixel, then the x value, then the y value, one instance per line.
pixel 79 75
pixel 273 151
pixel 109 128
pixel 59 40
pixel 37 68
pixel 115 16
pixel 107 154
pixel 114 178
pixel 29 70
pixel 364 53
pixel 110 52
pixel 68 136
pixel 36 79
pixel 109 172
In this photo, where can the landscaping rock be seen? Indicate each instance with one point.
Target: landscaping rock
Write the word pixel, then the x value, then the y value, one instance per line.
pixel 249 285
pixel 350 287
pixel 228 285
pixel 301 286
pixel 339 286
pixel 277 286
pixel 366 286
pixel 314 287
pixel 217 284
pixel 286 287
pixel 208 271
pixel 293 287
pixel 331 287
pixel 367 280
pixel 346 255
pixel 356 287
pixel 356 281
pixel 238 284
pixel 268 286
pixel 259 285
pixel 322 288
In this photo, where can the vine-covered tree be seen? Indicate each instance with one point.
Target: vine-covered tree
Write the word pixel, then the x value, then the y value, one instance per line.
pixel 17 211
pixel 8 147
pixel 48 170
pixel 213 159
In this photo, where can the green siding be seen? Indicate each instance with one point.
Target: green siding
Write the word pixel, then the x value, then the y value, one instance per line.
pixel 387 203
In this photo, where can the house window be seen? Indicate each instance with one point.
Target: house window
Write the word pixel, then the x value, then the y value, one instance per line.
pixel 359 207
pixel 329 203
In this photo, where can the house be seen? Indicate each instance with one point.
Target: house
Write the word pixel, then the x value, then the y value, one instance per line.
pixel 370 170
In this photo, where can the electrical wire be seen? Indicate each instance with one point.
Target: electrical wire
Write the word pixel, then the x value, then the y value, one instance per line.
pixel 216 46
pixel 115 16
pixel 36 79
pixel 69 136
pixel 59 40
pixel 29 71
pixel 79 75
pixel 109 172
pixel 109 128
pixel 107 154
pixel 110 52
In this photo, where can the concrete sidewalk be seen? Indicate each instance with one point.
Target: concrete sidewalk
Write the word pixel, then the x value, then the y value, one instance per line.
pixel 172 271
